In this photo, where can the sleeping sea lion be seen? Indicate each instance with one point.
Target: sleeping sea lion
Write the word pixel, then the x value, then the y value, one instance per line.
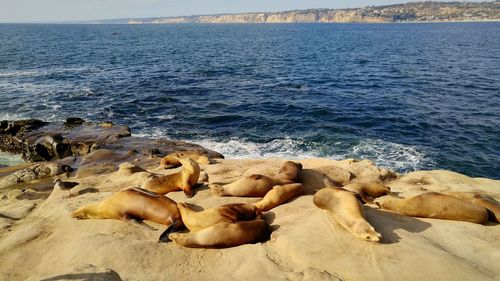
pixel 224 234
pixel 134 205
pixel 347 211
pixel 252 186
pixel 483 200
pixel 184 180
pixel 258 185
pixel 278 195
pixel 195 221
pixel 172 161
pixel 434 205
pixel 368 191
pixel 289 171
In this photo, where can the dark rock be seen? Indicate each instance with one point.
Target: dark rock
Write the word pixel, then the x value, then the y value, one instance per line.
pixel 40 141
pixel 73 122
pixel 37 141
pixel 154 151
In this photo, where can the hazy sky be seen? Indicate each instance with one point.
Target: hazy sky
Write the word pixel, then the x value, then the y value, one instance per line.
pixel 62 10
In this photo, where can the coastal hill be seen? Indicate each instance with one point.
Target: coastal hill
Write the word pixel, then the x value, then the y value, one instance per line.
pixel 409 12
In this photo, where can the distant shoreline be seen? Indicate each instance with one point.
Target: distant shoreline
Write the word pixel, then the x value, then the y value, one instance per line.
pixel 284 23
pixel 412 12
pixel 399 13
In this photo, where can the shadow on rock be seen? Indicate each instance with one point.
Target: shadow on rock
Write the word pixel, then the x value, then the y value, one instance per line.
pixel 110 275
pixel 269 217
pixel 386 223
pixel 200 187
pixel 88 190
pixel 194 207
pixel 32 195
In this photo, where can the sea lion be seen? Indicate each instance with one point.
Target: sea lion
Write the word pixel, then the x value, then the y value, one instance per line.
pixel 279 195
pixel 195 221
pixel 258 185
pixel 172 161
pixel 347 211
pixel 434 205
pixel 184 180
pixel 289 171
pixel 134 205
pixel 224 234
pixel 483 200
pixel 368 191
pixel 252 186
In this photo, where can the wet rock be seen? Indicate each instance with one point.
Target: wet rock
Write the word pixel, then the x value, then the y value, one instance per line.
pixel 73 122
pixel 41 141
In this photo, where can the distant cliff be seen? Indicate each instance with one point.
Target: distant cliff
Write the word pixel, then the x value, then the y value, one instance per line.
pixel 409 12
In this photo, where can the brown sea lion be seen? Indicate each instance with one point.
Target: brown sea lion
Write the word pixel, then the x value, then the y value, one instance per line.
pixel 289 171
pixel 279 195
pixel 172 161
pixel 434 205
pixel 368 191
pixel 483 200
pixel 134 205
pixel 252 186
pixel 347 211
pixel 184 180
pixel 258 185
pixel 195 221
pixel 224 234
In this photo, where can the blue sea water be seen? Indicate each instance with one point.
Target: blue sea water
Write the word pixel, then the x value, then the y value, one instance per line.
pixel 407 96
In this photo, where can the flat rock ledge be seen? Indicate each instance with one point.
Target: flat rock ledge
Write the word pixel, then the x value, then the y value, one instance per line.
pixel 40 241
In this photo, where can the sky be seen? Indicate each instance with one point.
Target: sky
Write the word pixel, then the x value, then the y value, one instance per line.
pixel 78 10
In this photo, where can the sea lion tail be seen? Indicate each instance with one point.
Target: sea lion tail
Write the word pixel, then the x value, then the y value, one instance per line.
pixel 176 225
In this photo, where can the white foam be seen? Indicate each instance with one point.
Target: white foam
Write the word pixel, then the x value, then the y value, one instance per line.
pixel 39 72
pixel 13 116
pixel 19 73
pixel 165 117
pixel 8 159
pixel 240 149
pixel 398 157
pixel 395 156
pixel 154 133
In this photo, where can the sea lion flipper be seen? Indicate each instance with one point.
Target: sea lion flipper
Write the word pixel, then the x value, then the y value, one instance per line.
pixel 140 224
pixel 366 198
pixel 216 189
pixel 176 225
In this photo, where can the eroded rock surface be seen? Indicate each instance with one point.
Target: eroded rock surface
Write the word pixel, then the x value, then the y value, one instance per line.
pixel 40 241
pixel 42 141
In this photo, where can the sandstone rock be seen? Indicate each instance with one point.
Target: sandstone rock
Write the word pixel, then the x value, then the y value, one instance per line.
pixel 34 172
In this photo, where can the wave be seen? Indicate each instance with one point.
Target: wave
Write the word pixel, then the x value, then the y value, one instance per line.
pixel 397 157
pixel 7 159
pixel 43 72
pixel 165 117
pixel 13 116
pixel 279 148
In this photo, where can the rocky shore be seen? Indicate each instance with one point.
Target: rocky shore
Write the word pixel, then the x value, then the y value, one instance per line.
pixel 40 241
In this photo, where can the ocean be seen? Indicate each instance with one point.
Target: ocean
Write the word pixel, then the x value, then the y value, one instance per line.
pixel 407 96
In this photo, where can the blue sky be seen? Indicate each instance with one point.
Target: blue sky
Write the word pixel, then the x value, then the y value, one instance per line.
pixel 63 10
